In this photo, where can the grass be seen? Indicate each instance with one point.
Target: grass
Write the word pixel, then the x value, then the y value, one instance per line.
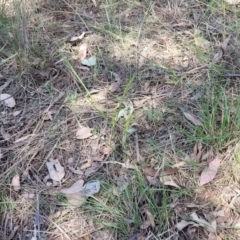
pixel 162 52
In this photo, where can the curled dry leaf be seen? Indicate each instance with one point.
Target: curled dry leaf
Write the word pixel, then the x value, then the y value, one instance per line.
pixel 77 194
pixel 16 182
pixel 200 221
pixel 7 100
pixel 88 164
pixel 83 133
pixel 74 39
pixel 89 61
pixel 192 119
pixel 221 50
pixel 181 225
pixel 91 188
pixel 82 52
pixel 209 173
pixel 56 171
pixel 76 187
pixel 6 136
pixel 16 113
pixel 179 164
pixel 107 150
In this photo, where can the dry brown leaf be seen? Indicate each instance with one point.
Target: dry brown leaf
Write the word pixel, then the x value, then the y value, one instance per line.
pixel 7 100
pixel 76 187
pixel 153 181
pixel 83 133
pixel 150 172
pixel 193 119
pixel 221 50
pixel 209 173
pixel 82 51
pixel 171 183
pixel 88 164
pixel 197 152
pixel 115 85
pixel 179 164
pixel 16 113
pixel 181 225
pixel 140 103
pixel 203 223
pixel 150 218
pixel 6 136
pixel 16 182
pixel 107 150
pixel 74 39
pixel 56 171
pixel 76 199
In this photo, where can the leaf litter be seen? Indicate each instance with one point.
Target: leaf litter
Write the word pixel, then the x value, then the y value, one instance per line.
pixel 78 192
pixel 55 169
pixel 209 173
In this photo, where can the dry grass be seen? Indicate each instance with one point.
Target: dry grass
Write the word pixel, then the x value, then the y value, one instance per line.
pixel 158 55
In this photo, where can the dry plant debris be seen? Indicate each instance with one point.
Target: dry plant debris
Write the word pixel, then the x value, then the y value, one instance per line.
pixel 138 98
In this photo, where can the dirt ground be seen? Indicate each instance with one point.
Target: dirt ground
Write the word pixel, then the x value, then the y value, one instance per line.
pixel 119 120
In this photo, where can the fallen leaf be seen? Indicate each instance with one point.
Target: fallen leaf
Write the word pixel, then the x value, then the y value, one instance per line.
pixel 150 172
pixel 179 164
pixel 88 164
pixel 153 181
pixel 89 61
pixel 82 52
pixel 56 171
pixel 16 113
pixel 115 85
pixel 221 50
pixel 7 100
pixel 171 183
pixel 83 133
pixel 192 119
pixel 90 171
pixel 197 152
pixel 16 182
pixel 209 173
pixel 181 225
pixel 150 218
pixel 145 224
pixel 74 39
pixel 76 187
pixel 76 199
pixel 91 188
pixel 203 223
pixel 76 171
pixel 24 138
pixel 6 136
pixel 140 103
pixel 107 150
pixel 1 155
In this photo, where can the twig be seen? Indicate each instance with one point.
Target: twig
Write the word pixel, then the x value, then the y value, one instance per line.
pixel 137 147
pixel 231 75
